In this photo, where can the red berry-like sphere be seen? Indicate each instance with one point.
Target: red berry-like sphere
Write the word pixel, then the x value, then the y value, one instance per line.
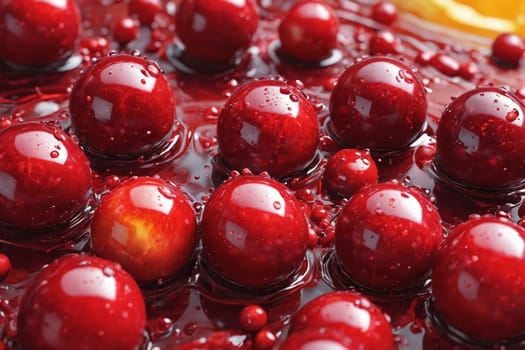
pixel 38 33
pixel 387 237
pixel 122 106
pixel 481 139
pixel 508 49
pixel 351 314
pixel 254 232
pixel 145 10
pixel 384 12
pixel 270 126
pixel 320 338
pixel 125 30
pixel 148 226
pixel 349 170
pixel 82 302
pixel 253 318
pixel 45 177
pixel 216 31
pixel 5 266
pixel 477 279
pixel 309 30
pixel 378 103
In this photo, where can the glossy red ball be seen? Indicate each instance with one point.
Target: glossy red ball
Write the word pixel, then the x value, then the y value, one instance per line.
pixel 5 266
pixel 145 10
pixel 269 126
pixel 352 315
pixel 481 139
pixel 82 302
pixel 384 12
pixel 309 30
pixel 350 170
pixel 387 237
pixel 378 103
pixel 125 30
pixel 508 49
pixel 45 178
pixel 320 338
pixel 38 33
pixel 148 226
pixel 384 42
pixel 122 106
pixel 253 318
pixel 477 279
pixel 216 31
pixel 254 233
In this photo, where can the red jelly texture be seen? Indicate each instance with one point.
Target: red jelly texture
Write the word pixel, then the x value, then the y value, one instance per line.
pixel 148 226
pixel 478 279
pixel 481 139
pixel 350 170
pixel 387 237
pixel 38 33
pixel 309 30
pixel 82 302
pixel 45 177
pixel 216 31
pixel 352 315
pixel 122 106
pixel 378 103
pixel 270 126
pixel 254 232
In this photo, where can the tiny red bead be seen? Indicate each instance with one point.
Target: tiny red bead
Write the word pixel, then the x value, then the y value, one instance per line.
pixel 264 340
pixel 38 33
pixel 91 303
pixel 350 170
pixel 350 315
pixel 384 12
pixel 309 30
pixel 445 64
pixel 481 139
pixel 122 106
pixel 253 318
pixel 145 10
pixel 508 49
pixel 270 126
pixel 477 279
pixel 378 103
pixel 384 42
pixel 45 176
pixel 254 232
pixel 216 31
pixel 5 266
pixel 387 237
pixel 125 30
pixel 134 217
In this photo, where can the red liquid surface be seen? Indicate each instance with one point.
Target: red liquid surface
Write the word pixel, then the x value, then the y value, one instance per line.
pixel 198 303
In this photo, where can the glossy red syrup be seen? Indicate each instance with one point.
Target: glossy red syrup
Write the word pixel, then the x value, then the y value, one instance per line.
pixel 201 305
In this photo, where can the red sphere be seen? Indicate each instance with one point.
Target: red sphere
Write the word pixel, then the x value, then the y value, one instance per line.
pixel 125 30
pixel 45 176
pixel 254 233
pixel 122 106
pixel 82 302
pixel 384 42
pixel 253 318
pixel 477 279
pixel 378 103
pixel 508 49
pixel 270 126
pixel 384 12
pixel 5 266
pixel 481 139
pixel 148 226
pixel 309 30
pixel 350 170
pixel 351 315
pixel 145 10
pixel 320 338
pixel 38 33
pixel 216 31
pixel 387 237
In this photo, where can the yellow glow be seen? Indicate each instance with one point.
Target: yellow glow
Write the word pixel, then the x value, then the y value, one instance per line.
pixel 484 17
